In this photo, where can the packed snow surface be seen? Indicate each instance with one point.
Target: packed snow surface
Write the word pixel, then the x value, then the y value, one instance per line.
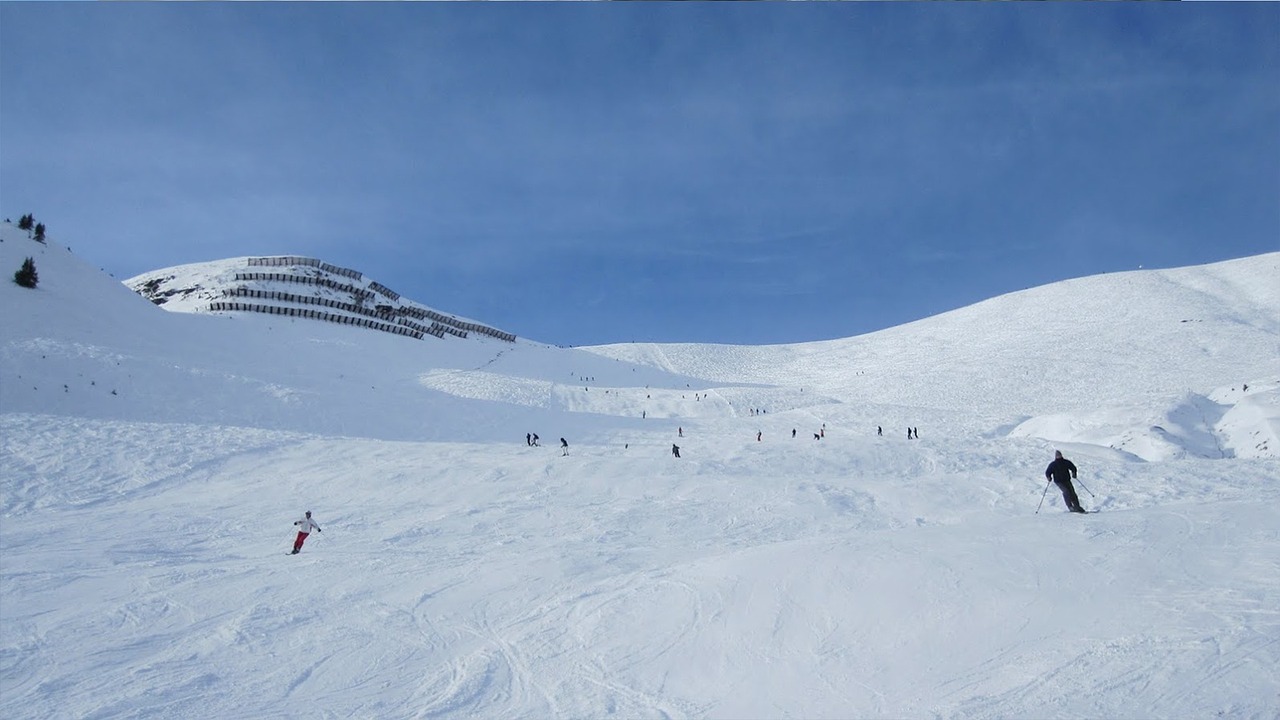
pixel 152 464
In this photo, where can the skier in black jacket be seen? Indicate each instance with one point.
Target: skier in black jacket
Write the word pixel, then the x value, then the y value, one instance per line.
pixel 1061 471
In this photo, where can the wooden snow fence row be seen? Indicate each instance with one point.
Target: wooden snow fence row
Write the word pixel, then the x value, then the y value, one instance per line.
pixel 441 323
pixel 452 325
pixel 287 260
pixel 388 292
pixel 357 292
pixel 378 314
pixel 456 324
pixel 225 306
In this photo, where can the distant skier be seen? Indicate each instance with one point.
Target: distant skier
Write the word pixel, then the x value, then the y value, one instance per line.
pixel 675 450
pixel 564 447
pixel 1061 471
pixel 305 525
pixel 793 433
pixel 535 439
pixel 528 439
pixel 680 431
pixel 879 431
pixel 759 434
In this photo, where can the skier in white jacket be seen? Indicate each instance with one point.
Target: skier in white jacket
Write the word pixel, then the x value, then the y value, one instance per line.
pixel 304 529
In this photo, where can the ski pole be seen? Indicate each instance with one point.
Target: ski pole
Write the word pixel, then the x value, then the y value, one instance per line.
pixel 1046 492
pixel 1085 488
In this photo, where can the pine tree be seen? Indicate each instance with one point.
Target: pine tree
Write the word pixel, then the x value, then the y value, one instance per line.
pixel 39 232
pixel 26 275
pixel 25 222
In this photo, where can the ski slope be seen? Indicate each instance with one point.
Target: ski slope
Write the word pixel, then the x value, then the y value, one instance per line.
pixel 152 462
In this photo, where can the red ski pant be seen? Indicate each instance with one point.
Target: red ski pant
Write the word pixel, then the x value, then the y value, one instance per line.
pixel 297 544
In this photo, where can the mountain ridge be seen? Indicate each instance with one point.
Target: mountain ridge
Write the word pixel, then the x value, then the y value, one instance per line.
pixel 299 286
pixel 1076 354
pixel 1227 312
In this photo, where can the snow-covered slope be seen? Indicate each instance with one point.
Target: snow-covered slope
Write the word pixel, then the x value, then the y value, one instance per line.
pixel 82 344
pixel 1110 359
pixel 151 463
pixel 1084 361
pixel 1074 344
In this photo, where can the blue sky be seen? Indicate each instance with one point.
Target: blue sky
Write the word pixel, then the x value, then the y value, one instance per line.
pixel 585 173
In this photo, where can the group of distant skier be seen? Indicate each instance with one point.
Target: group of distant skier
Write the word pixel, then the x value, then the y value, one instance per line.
pixel 531 439
pixel 1059 472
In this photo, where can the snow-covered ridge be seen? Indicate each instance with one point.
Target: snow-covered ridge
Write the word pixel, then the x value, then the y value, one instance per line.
pixel 85 345
pixel 1126 360
pixel 1152 364
pixel 299 287
pixel 1075 344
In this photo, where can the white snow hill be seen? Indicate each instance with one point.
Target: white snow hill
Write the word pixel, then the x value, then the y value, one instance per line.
pixel 792 562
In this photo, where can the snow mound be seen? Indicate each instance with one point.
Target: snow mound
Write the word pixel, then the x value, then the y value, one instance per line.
pixel 1250 427
pixel 1196 426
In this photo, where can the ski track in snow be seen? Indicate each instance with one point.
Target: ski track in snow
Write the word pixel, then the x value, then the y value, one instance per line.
pixel 550 586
